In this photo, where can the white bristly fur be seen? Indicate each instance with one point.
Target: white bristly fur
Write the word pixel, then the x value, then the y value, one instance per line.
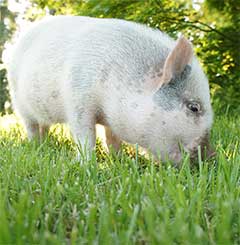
pixel 83 71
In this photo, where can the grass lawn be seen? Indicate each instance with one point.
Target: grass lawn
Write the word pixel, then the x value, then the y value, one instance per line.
pixel 46 197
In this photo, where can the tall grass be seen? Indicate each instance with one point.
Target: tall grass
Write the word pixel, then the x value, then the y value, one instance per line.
pixel 46 197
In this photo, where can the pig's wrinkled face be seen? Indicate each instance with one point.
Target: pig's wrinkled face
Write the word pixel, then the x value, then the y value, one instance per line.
pixel 182 111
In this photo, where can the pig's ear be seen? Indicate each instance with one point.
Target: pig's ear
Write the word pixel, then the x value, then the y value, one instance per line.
pixel 177 60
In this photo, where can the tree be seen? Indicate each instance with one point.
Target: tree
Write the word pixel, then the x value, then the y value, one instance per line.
pixel 7 27
pixel 219 50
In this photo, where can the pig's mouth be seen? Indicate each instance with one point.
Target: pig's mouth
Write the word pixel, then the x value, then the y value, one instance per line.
pixel 175 154
pixel 198 148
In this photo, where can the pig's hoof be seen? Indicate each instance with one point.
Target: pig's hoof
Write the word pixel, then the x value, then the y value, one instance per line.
pixel 83 159
pixel 80 160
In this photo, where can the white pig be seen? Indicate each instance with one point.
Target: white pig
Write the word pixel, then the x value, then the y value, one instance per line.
pixel 143 86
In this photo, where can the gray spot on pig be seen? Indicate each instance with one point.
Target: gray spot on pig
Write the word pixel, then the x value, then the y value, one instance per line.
pixel 105 75
pixel 153 76
pixel 169 97
pixel 80 112
pixel 54 94
pixel 134 105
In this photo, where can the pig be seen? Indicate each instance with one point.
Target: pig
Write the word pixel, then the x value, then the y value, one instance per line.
pixel 141 85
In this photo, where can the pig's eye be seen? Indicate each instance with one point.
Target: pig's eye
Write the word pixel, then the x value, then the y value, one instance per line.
pixel 194 106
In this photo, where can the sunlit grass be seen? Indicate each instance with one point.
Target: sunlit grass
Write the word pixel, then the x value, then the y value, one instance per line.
pixel 47 197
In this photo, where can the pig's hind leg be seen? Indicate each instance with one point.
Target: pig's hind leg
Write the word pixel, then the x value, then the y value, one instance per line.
pixel 32 129
pixel 112 140
pixel 43 132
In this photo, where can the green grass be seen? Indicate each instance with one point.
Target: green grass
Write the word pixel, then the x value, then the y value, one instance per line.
pixel 46 197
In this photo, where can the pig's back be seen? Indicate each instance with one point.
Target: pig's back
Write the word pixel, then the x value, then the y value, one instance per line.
pixel 82 49
pixel 55 40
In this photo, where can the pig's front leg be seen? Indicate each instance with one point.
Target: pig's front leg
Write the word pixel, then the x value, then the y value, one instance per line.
pixel 84 135
pixel 43 132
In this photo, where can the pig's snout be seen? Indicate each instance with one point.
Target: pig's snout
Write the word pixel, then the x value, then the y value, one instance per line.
pixel 202 144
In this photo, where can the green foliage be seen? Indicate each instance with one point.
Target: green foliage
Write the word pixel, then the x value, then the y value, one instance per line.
pixel 3 89
pixel 220 50
pixel 7 27
pixel 46 197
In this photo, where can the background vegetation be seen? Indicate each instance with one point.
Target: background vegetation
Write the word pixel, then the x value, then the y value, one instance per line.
pixel 7 27
pixel 212 25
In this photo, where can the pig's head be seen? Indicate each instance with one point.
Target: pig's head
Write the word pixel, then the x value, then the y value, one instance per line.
pixel 181 112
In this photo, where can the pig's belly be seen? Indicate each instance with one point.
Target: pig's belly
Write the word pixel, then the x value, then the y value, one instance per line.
pixel 45 106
